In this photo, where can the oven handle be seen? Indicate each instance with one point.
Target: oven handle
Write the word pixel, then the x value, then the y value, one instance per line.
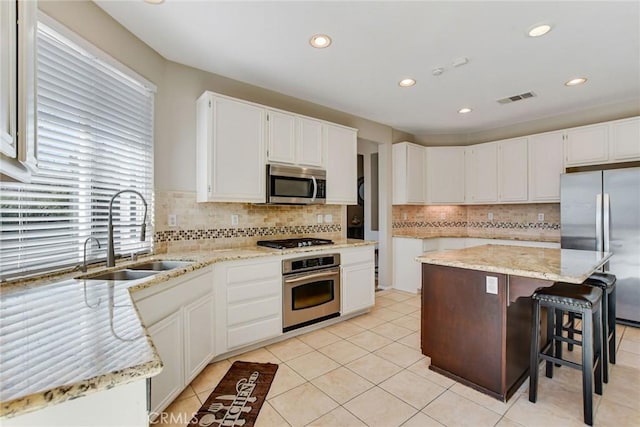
pixel 308 277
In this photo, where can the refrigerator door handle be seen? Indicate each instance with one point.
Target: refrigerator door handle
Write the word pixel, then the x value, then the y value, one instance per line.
pixel 599 222
pixel 606 210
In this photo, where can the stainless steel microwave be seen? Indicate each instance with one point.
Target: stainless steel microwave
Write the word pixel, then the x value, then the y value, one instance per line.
pixel 296 185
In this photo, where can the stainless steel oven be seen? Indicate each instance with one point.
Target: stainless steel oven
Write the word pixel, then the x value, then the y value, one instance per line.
pixel 296 185
pixel 311 290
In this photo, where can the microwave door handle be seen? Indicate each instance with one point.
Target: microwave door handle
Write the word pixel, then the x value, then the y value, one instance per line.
pixel 315 188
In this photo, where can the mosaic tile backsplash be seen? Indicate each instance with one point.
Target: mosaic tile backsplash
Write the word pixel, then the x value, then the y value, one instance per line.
pixel 207 226
pixel 509 221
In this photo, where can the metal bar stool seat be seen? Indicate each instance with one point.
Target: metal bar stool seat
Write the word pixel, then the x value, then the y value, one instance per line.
pixel 557 299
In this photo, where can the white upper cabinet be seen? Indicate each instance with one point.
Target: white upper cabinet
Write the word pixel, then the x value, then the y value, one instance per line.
pixel 445 175
pixel 482 173
pixel 341 146
pixel 587 145
pixel 625 140
pixel 545 166
pixel 409 167
pixel 17 90
pixel 230 150
pixel 294 139
pixel 512 170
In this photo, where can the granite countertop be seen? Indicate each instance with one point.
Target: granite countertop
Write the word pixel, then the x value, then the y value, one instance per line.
pixel 63 336
pixel 546 239
pixel 565 265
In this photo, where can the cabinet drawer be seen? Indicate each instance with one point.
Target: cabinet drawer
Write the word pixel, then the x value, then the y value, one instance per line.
pixel 263 288
pixel 254 271
pixel 254 310
pixel 356 255
pixel 254 332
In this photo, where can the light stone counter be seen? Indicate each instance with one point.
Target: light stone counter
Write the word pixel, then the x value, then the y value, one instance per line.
pixel 63 337
pixel 565 265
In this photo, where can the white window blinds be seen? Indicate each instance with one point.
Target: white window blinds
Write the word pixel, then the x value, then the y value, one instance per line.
pixel 95 138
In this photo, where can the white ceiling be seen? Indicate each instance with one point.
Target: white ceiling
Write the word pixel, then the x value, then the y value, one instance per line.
pixel 375 44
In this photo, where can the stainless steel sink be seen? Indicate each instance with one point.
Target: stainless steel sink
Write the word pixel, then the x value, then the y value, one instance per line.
pixel 123 275
pixel 159 265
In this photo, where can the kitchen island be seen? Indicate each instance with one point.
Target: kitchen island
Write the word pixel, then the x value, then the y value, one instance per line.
pixel 476 309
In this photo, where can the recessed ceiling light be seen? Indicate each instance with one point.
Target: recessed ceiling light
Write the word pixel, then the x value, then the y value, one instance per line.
pixel 465 110
pixel 576 81
pixel 407 82
pixel 539 30
pixel 154 1
pixel 320 41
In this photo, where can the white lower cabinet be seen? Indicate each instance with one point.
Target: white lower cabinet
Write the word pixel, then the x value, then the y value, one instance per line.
pixel 357 285
pixel 199 336
pixel 406 270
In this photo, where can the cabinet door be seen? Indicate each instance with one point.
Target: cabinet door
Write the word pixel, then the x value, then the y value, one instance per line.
pixel 445 174
pixel 587 145
pixel 198 336
pixel 237 160
pixel 357 287
pixel 406 271
pixel 167 338
pixel 483 173
pixel 545 167
pixel 512 167
pixel 8 79
pixel 282 137
pixel 625 140
pixel 342 167
pixel 415 174
pixel 309 142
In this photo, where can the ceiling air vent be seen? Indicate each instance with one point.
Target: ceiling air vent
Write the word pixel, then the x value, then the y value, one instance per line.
pixel 514 98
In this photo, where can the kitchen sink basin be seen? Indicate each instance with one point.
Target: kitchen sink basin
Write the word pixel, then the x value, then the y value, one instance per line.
pixel 123 275
pixel 159 265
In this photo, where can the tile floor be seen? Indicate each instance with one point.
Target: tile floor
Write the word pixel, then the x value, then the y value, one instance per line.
pixel 369 371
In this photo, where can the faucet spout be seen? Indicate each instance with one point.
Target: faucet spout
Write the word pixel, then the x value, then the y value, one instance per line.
pixel 111 255
pixel 84 257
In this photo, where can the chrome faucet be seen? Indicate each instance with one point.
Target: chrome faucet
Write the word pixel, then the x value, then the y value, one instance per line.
pixel 84 256
pixel 111 255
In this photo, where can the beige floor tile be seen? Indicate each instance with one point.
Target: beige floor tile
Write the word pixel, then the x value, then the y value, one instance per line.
pixel 391 331
pixel 626 358
pixel 178 413
pixel 289 349
pixel 343 351
pixel 611 413
pixel 210 376
pixel 506 422
pixel 260 355
pixel 377 407
pixel 399 354
pixel 303 404
pixel 383 301
pixel 386 314
pixel 415 314
pixel 630 346
pixel 414 301
pixel 399 296
pixel 403 308
pixel 269 417
pixel 482 399
pixel 412 389
pixel 421 420
pixel 629 333
pixel 452 409
pixel 285 379
pixel 374 368
pixel 624 386
pixel 342 384
pixel 339 417
pixel 319 338
pixel 367 321
pixel 421 368
pixel 408 322
pixel 369 340
pixel 312 365
pixel 344 329
pixel 187 392
pixel 412 340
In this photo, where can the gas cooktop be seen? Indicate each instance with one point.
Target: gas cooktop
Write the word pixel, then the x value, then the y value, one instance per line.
pixel 294 243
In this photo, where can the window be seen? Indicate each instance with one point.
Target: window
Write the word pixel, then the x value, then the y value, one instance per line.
pixel 95 138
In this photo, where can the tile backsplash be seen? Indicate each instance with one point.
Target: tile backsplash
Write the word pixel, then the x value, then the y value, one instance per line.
pixel 207 226
pixel 509 221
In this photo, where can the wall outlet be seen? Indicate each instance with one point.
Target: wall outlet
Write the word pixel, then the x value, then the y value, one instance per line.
pixel 443 215
pixel 328 218
pixel 404 216
pixel 540 217
pixel 490 216
pixel 234 219
pixel 172 220
pixel 492 285
pixel 320 219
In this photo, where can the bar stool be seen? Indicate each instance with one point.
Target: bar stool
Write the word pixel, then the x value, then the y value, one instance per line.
pixel 578 299
pixel 606 282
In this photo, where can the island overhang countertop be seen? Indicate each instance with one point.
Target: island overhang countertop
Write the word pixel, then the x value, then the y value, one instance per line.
pixel 557 265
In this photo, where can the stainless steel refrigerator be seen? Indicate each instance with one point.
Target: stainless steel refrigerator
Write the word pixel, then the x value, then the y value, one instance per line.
pixel 600 210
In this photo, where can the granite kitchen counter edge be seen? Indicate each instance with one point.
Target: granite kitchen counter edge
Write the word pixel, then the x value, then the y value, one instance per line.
pixel 544 239
pixel 58 391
